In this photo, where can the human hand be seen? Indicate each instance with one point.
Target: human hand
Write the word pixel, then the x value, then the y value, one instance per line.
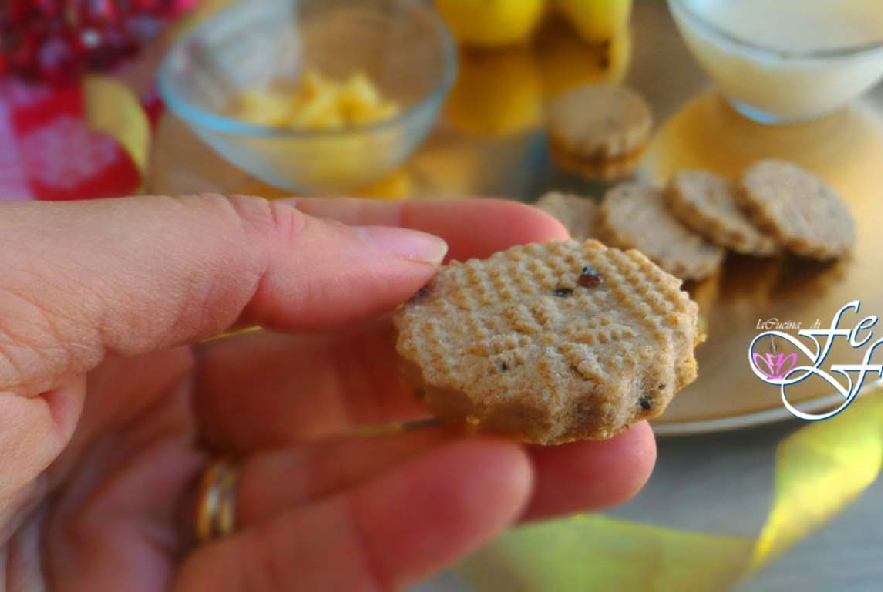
pixel 111 403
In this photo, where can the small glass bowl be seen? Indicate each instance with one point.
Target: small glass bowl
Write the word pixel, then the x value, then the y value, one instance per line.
pixel 774 86
pixel 403 46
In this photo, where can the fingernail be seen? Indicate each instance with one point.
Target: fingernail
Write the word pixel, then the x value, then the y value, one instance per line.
pixel 412 245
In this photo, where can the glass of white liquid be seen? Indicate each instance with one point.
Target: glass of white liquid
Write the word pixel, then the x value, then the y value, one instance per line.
pixel 786 61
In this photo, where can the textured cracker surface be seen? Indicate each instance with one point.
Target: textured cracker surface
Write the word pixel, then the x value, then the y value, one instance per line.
pixel 599 122
pixel 706 204
pixel 634 216
pixel 798 208
pixel 576 213
pixel 489 343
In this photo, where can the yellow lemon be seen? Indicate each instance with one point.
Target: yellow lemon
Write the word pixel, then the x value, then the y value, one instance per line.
pixel 566 61
pixel 498 93
pixel 596 20
pixel 491 23
pixel 265 108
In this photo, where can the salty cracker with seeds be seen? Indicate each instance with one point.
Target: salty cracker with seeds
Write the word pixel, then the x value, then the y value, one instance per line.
pixel 706 204
pixel 576 213
pixel 798 208
pixel 634 216
pixel 550 343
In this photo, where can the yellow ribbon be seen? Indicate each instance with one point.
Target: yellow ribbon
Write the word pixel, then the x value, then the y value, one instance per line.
pixel 820 469
pixel 112 108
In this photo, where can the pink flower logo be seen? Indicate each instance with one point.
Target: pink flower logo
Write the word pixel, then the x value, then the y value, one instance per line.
pixel 775 366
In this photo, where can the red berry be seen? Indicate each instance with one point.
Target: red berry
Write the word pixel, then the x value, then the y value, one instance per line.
pixel 95 12
pixel 51 9
pixel 23 55
pixel 59 60
pixel 90 38
pixel 58 39
pixel 154 7
pixel 142 28
pixel 113 45
pixel 18 12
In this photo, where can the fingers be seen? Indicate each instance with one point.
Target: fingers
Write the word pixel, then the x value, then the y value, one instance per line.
pixel 274 481
pixel 262 391
pixel 385 534
pixel 472 227
pixel 33 431
pixel 591 475
pixel 130 276
pixel 116 529
pixel 580 477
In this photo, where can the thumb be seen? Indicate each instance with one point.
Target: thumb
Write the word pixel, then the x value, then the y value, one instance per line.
pixel 83 280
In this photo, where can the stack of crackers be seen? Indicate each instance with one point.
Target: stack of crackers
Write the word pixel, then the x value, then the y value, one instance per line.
pixel 599 131
pixel 688 226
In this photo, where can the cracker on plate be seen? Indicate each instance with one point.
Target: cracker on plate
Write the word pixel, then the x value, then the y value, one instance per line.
pixel 634 216
pixel 798 208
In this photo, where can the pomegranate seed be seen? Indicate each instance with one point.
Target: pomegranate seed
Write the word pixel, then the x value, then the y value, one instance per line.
pixel 113 45
pixel 59 60
pixel 146 6
pixel 23 56
pixel 142 28
pixel 95 12
pixel 19 12
pixel 57 39
pixel 51 9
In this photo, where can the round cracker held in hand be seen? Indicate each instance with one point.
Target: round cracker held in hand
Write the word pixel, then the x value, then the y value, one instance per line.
pixel 550 343
pixel 706 204
pixel 798 208
pixel 634 216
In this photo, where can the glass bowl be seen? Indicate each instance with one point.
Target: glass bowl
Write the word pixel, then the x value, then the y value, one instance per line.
pixel 793 79
pixel 403 46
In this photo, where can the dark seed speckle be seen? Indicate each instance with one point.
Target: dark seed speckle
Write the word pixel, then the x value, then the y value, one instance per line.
pixel 645 404
pixel 502 366
pixel 563 292
pixel 589 280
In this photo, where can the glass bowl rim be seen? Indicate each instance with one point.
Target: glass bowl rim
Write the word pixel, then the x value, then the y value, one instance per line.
pixel 766 51
pixel 211 120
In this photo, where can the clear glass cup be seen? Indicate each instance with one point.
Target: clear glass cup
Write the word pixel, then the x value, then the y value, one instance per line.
pixel 778 85
pixel 402 45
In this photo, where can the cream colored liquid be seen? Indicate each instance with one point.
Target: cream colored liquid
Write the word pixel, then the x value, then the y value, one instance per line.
pixel 796 25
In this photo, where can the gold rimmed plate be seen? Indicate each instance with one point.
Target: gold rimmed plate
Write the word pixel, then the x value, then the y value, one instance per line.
pixel 749 295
